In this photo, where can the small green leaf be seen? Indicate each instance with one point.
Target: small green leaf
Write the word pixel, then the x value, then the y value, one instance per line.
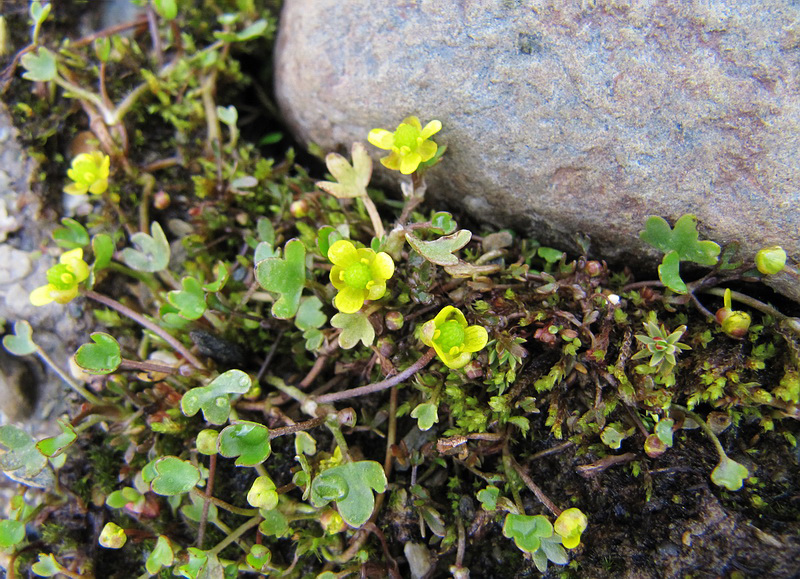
pixel 669 273
pixel 247 440
pixel 549 254
pixel 102 357
pixel 326 237
pixel 274 524
pixel 266 231
pixel 22 452
pixel 351 180
pixel 72 235
pixel 55 445
pixel 350 485
pixel 427 415
pixel 47 566
pixel 167 9
pixel 161 556
pixel 262 494
pixel 663 430
pixel 444 222
pixel 256 29
pixel 285 276
pixel 305 444
pixel 228 115
pixel 190 301
pixel 259 558
pixel 174 476
pixel 21 342
pixel 40 67
pixel 11 533
pixel 264 250
pixel 112 536
pixel 197 510
pixel 683 239
pixel 488 497
pixel 612 436
pixel 201 565
pixel 39 11
pixel 152 251
pixel 103 249
pixel 554 551
pixel 214 399
pixel 221 274
pixel 440 251
pixel 527 530
pixel 354 327
pixel 729 474
pixel 309 314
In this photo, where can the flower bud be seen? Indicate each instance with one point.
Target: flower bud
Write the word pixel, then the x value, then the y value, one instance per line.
pixel 299 208
pixel 161 200
pixel 771 260
pixel 394 321
pixel 736 324
pixel 206 442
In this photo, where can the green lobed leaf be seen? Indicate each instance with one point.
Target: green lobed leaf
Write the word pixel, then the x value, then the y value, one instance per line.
pixel 190 301
pixel 444 222
pixel 554 551
pixel 683 239
pixel 214 399
pixel 47 566
pixel 285 276
pixel 259 558
pixel 527 530
pixel 729 474
pixel 102 357
pixel 326 237
pixel 274 524
pixel 663 430
pixel 440 251
pixel 40 66
pixel 256 29
pixel 72 236
pixel 173 476
pixel 103 249
pixel 197 509
pixel 55 445
pixel 12 533
pixel 152 251
pixel 20 343
pixel 262 494
pixel 488 497
pixel 21 451
pixel 355 327
pixel 266 231
pixel 247 440
pixel 669 273
pixel 167 9
pixel 427 414
pixel 221 275
pixel 39 11
pixel 351 180
pixel 309 314
pixel 228 115
pixel 350 485
pixel 161 556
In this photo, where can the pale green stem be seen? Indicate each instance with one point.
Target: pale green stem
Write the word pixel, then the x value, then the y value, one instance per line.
pixel 332 423
pixel 227 506
pixel 705 428
pixel 374 216
pixel 235 534
pixel 71 382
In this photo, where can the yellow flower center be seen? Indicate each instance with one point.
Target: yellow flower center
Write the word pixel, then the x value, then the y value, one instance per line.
pixel 357 275
pixel 450 337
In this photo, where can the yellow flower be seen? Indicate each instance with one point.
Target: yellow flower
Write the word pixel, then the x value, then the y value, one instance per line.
pixel 358 274
pixel 89 173
pixel 409 144
pixel 63 279
pixel 570 524
pixel 453 339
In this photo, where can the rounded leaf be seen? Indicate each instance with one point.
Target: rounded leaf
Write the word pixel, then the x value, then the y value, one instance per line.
pixel 174 476
pixel 102 357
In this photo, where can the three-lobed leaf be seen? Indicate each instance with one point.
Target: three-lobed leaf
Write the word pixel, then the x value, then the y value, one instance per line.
pixel 214 399
pixel 171 476
pixel 350 486
pixel 285 276
pixel 21 451
pixel 427 414
pixel 729 474
pixel 440 251
pixel 669 273
pixel 351 180
pixel 355 327
pixel 249 441
pixel 152 251
pixel 527 530
pixel 102 357
pixel 683 239
pixel 20 343
pixel 161 556
pixel 189 301
pixel 40 66
pixel 11 533
pixel 72 235
pixel 55 445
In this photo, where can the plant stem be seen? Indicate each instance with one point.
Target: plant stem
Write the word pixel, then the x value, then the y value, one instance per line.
pixel 543 498
pixel 142 321
pixel 146 367
pixel 227 506
pixel 212 469
pixel 747 300
pixel 423 361
pixel 705 428
pixel 71 382
pixel 235 534
pixel 374 216
pixel 294 428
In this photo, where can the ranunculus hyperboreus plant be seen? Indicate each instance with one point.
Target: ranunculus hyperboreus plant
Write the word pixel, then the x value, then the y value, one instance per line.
pixel 409 144
pixel 453 339
pixel 63 279
pixel 89 174
pixel 358 274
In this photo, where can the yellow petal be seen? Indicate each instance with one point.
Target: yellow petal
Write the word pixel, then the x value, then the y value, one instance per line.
pixel 571 541
pixel 413 121
pixel 431 129
pixel 381 138
pixel 65 296
pixel 428 330
pixel 427 150
pixel 99 187
pixel 475 338
pixel 377 291
pixel 74 260
pixel 382 267
pixel 392 161
pixel 456 362
pixel 409 163
pixel 349 300
pixel 75 189
pixel 444 315
pixel 336 277
pixel 343 253
pixel 41 295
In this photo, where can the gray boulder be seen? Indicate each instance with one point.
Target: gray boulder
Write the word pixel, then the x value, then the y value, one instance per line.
pixel 575 117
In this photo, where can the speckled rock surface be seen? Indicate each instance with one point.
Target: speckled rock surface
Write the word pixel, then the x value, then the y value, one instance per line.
pixel 566 117
pixel 27 392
